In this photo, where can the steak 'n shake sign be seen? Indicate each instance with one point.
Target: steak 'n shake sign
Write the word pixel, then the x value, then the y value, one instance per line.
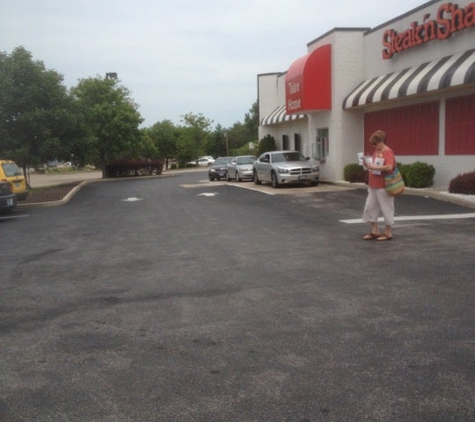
pixel 449 19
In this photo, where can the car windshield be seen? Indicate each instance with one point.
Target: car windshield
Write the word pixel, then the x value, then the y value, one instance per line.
pixel 245 160
pixel 221 160
pixel 282 157
pixel 11 169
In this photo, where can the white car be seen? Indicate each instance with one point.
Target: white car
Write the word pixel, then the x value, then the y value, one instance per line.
pixel 240 167
pixel 285 167
pixel 203 161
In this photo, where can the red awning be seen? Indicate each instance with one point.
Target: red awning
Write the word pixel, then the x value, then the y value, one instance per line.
pixel 308 82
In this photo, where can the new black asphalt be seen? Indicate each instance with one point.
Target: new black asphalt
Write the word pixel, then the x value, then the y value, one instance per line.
pixel 174 299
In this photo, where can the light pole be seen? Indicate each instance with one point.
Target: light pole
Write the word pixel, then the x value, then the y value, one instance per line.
pixel 227 145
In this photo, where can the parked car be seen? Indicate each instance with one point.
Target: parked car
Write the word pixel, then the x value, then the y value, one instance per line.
pixel 10 172
pixel 240 167
pixel 7 197
pixel 203 161
pixel 218 170
pixel 285 167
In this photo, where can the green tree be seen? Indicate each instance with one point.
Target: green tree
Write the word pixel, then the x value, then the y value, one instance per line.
pixel 111 119
pixel 186 147
pixel 216 142
pixel 240 135
pixel 145 147
pixel 251 121
pixel 164 136
pixel 34 110
pixel 198 130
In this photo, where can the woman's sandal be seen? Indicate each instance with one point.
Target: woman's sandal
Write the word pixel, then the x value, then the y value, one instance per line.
pixel 384 237
pixel 371 236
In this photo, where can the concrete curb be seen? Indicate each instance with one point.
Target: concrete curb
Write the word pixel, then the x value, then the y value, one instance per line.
pixel 77 188
pixel 63 201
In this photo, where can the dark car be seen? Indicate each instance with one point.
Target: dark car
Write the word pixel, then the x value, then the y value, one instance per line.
pixel 218 170
pixel 7 197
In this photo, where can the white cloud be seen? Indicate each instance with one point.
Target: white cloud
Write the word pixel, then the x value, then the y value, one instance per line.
pixel 182 56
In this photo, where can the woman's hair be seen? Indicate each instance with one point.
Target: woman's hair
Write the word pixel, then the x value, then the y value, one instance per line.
pixel 378 136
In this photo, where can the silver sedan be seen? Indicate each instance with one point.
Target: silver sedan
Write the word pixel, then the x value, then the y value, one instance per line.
pixel 285 167
pixel 240 167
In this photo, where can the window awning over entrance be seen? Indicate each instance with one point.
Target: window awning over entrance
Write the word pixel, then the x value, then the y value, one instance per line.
pixel 447 72
pixel 308 82
pixel 279 115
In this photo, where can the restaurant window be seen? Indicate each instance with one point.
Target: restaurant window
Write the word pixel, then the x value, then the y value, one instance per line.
pixel 297 142
pixel 285 142
pixel 460 126
pixel 320 148
pixel 410 130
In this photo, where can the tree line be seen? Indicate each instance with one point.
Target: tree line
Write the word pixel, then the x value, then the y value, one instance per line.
pixel 97 121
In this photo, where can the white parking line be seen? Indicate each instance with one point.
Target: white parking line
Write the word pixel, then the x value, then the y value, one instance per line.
pixel 11 217
pixel 254 189
pixel 132 199
pixel 233 184
pixel 416 217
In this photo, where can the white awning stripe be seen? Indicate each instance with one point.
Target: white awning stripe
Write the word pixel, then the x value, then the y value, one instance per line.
pixel 279 116
pixel 446 72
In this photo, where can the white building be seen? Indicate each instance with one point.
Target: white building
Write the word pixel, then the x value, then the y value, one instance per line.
pixel 413 77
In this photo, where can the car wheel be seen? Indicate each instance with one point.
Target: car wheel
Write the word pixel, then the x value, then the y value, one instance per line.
pixel 313 183
pixel 238 179
pixel 255 177
pixel 228 177
pixel 275 182
pixel 211 179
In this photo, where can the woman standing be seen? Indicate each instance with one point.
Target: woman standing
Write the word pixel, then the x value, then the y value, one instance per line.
pixel 378 201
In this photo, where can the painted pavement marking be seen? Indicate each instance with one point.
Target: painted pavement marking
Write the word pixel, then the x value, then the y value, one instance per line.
pixel 416 217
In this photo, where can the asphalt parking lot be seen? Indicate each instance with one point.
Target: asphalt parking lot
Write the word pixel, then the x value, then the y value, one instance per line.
pixel 176 299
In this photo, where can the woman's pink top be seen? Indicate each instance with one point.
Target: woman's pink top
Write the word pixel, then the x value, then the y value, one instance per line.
pixel 377 180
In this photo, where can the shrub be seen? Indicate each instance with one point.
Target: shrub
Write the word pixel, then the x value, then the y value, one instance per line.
pixel 266 144
pixel 419 175
pixel 416 175
pixel 354 173
pixel 403 170
pixel 131 168
pixel 463 183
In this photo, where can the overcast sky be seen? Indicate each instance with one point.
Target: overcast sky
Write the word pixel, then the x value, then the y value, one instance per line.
pixel 181 56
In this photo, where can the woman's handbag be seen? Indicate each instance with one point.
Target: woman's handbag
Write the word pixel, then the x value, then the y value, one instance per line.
pixel 394 183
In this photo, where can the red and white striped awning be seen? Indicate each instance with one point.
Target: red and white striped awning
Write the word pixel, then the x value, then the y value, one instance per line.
pixel 447 72
pixel 279 115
